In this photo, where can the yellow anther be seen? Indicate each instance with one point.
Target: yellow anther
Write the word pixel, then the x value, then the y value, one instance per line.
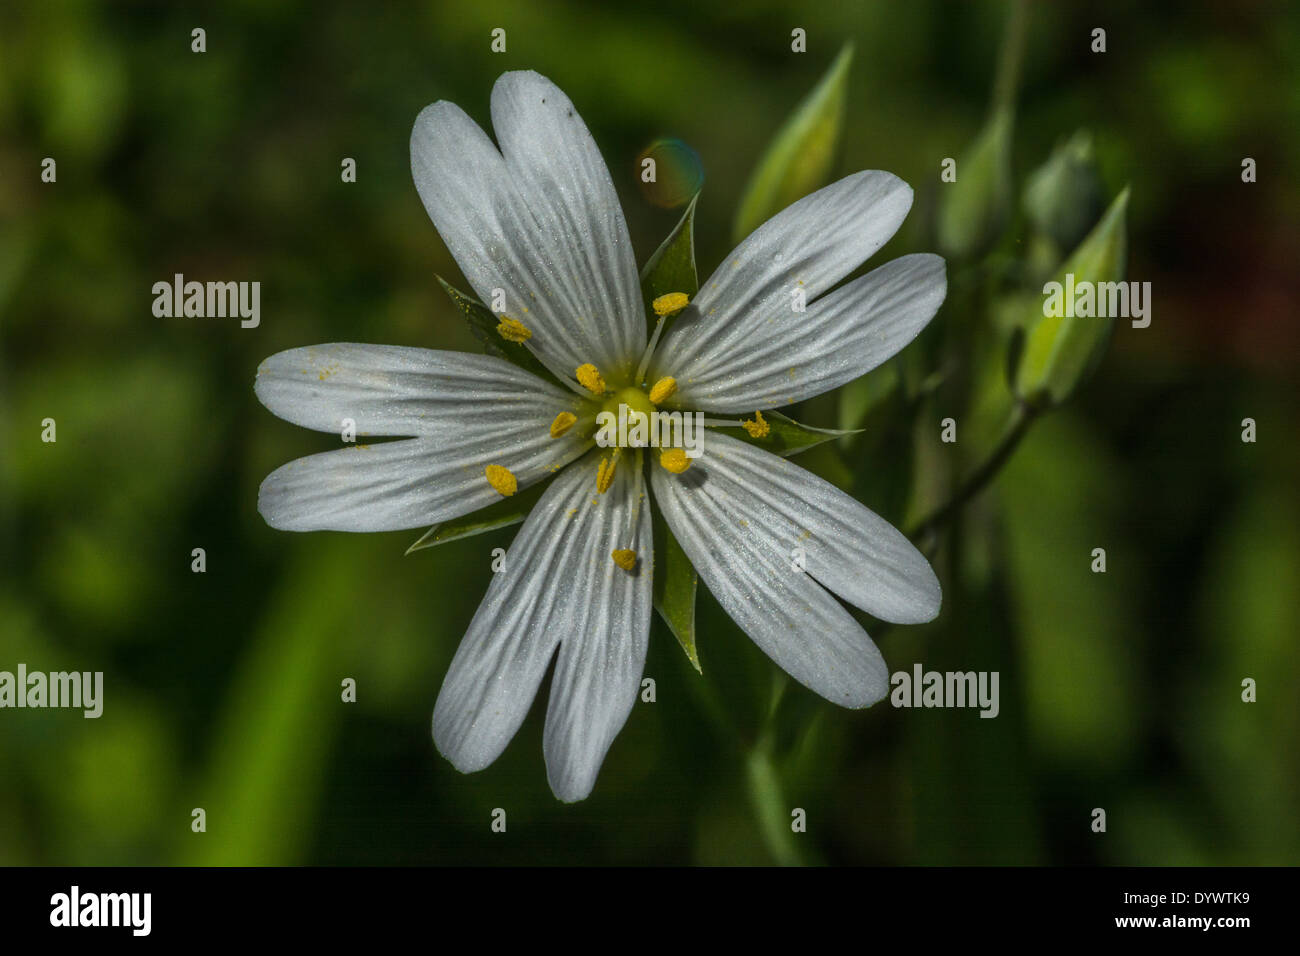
pixel 624 558
pixel 563 422
pixel 663 390
pixel 589 377
pixel 675 460
pixel 757 428
pixel 512 330
pixel 605 474
pixel 670 303
pixel 502 480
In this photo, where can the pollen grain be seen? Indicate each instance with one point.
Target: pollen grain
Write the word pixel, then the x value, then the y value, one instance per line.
pixel 663 390
pixel 512 330
pixel 670 303
pixel 502 480
pixel 758 428
pixel 675 460
pixel 589 377
pixel 563 422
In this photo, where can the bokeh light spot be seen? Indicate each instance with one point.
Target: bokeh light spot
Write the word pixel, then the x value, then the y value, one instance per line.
pixel 669 172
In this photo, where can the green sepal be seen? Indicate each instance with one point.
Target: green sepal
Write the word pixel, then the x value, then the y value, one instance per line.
pixel 787 437
pixel 1061 350
pixel 672 269
pixel 483 325
pixel 500 514
pixel 799 159
pixel 675 584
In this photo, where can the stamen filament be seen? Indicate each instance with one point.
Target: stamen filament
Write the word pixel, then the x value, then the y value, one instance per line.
pixel 626 558
pixel 649 351
pixel 664 307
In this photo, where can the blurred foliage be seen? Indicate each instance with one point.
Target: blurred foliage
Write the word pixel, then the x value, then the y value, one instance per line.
pixel 222 690
pixel 975 209
pixel 800 157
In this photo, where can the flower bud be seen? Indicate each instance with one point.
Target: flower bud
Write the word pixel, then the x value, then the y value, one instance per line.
pixel 1063 197
pixel 1061 349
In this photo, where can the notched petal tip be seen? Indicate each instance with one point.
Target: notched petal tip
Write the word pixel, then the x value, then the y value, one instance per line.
pixel 270 503
pixel 889 186
pixel 932 269
pixel 934 594
pixel 927 598
pixel 942 266
pixel 871 695
pixel 571 791
pixel 455 746
pixel 279 507
pixel 271 369
pixel 428 118
pixel 435 121
pixel 512 80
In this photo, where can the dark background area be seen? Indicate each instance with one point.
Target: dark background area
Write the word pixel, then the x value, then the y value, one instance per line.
pixel 1119 690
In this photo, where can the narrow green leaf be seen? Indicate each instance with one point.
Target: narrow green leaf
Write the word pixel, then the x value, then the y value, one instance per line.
pixel 1060 350
pixel 765 793
pixel 276 724
pixel 501 514
pixel 800 156
pixel 672 267
pixel 675 584
pixel 483 324
pixel 787 437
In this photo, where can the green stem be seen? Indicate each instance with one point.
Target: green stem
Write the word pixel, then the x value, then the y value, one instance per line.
pixel 765 785
pixel 926 531
pixel 770 804
pixel 711 703
pixel 1010 57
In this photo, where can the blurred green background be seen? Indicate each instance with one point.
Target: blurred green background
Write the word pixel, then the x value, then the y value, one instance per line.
pixel 222 690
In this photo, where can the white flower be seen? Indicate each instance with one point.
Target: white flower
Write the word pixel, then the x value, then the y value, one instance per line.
pixel 539 220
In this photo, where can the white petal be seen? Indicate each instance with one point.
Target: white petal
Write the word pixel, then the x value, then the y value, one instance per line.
pixel 411 483
pixel 561 175
pixel 810 245
pixel 791 356
pixel 558 584
pixel 846 546
pixel 603 648
pixel 740 513
pixel 542 223
pixel 390 390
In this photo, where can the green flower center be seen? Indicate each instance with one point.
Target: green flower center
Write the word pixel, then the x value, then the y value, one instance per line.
pixel 634 398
